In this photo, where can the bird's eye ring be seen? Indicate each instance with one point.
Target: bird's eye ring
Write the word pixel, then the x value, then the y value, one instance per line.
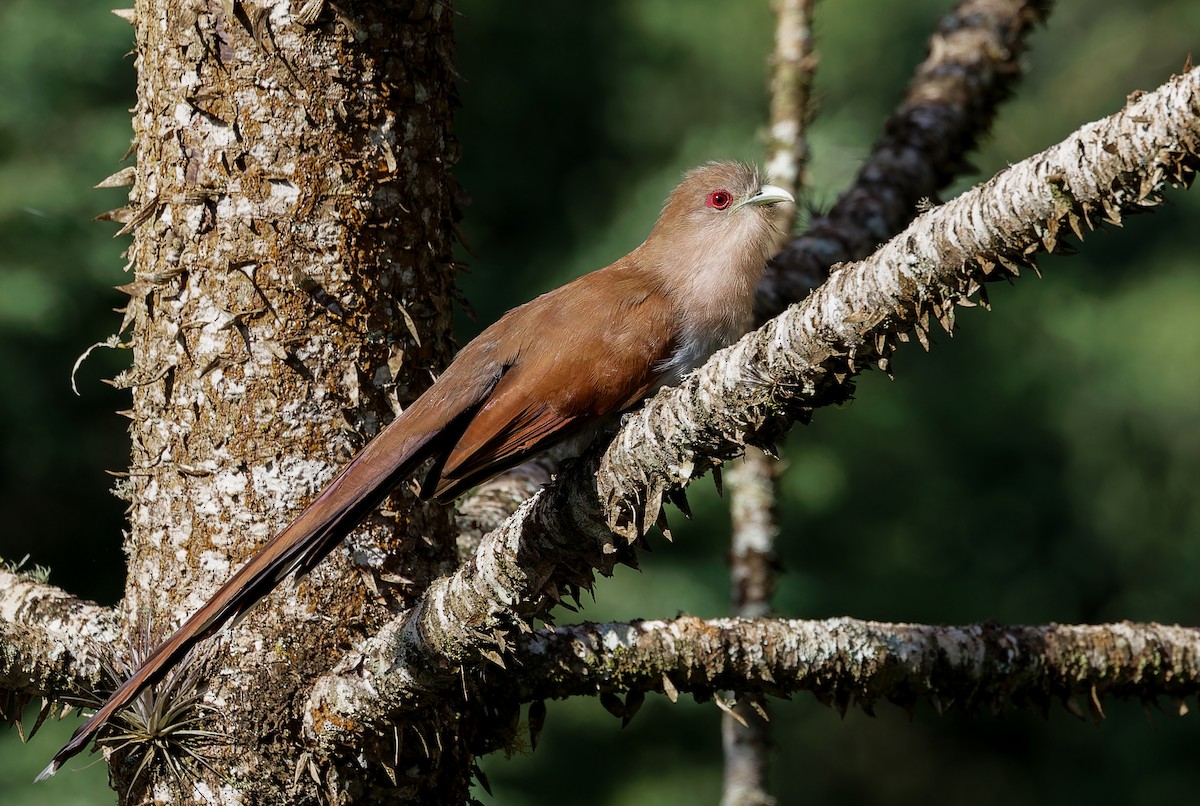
pixel 719 199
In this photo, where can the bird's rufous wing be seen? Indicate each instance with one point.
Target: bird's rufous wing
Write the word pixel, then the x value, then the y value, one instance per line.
pixel 613 336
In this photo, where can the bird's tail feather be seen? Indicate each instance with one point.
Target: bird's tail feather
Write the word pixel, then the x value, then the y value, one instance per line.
pixel 353 493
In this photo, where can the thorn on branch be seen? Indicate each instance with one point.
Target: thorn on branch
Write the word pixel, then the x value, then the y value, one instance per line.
pixel 612 703
pixel 669 689
pixel 633 703
pixel 537 721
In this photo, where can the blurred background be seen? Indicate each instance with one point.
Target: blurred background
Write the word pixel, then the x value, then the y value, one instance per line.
pixel 1040 466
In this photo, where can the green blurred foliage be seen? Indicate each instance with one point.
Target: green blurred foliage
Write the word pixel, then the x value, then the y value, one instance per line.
pixel 83 783
pixel 1039 466
pixel 63 128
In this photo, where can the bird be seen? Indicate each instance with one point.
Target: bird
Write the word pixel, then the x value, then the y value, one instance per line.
pixel 555 371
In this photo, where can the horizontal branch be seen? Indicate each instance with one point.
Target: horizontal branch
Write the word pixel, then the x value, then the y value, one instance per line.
pixel 844 661
pixel 752 392
pixel 48 641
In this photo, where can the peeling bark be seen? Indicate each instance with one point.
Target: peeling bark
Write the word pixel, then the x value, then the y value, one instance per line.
pixel 494 501
pixel 292 211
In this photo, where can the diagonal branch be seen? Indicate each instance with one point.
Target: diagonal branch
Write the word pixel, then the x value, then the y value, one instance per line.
pixel 752 392
pixel 972 67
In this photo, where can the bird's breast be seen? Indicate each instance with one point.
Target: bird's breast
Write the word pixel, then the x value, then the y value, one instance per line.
pixel 692 350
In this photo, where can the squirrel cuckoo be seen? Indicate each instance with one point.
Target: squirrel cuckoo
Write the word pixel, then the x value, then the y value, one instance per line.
pixel 559 367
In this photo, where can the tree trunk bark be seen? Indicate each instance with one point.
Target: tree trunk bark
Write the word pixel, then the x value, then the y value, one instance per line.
pixel 292 217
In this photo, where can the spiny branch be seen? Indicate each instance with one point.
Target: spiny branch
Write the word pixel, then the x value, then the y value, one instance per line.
pixel 974 63
pixel 752 392
pixel 844 661
pixel 972 67
pixel 48 642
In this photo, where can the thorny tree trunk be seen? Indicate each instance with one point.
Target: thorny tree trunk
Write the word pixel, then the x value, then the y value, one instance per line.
pixel 291 217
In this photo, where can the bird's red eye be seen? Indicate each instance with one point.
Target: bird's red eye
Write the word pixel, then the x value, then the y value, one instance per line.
pixel 719 199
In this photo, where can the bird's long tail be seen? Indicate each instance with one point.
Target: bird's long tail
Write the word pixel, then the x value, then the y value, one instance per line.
pixel 353 493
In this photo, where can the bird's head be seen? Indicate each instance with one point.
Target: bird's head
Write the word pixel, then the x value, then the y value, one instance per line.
pixel 723 206
pixel 716 231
